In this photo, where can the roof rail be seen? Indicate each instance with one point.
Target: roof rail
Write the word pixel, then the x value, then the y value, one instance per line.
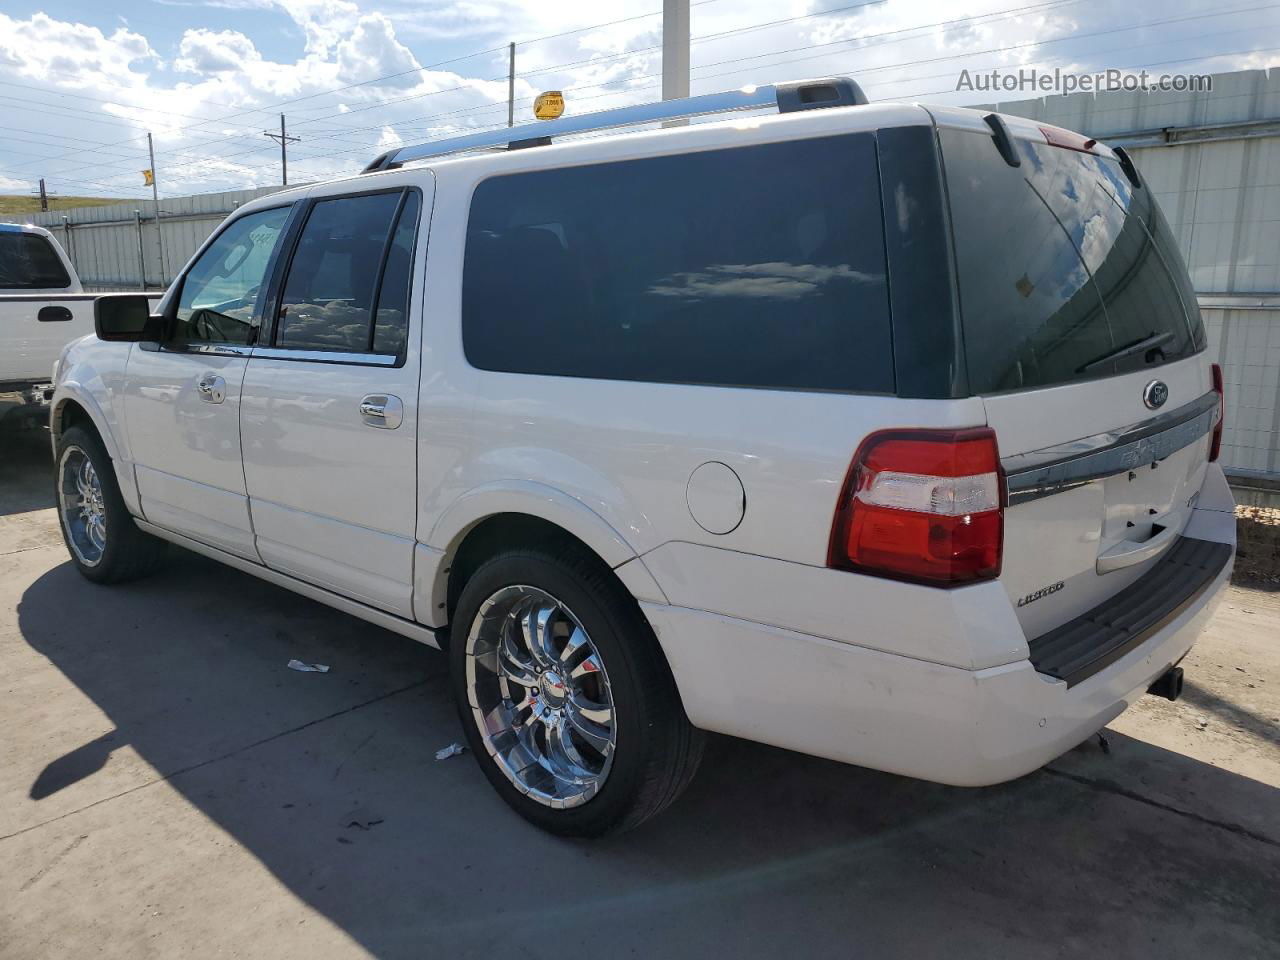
pixel 787 97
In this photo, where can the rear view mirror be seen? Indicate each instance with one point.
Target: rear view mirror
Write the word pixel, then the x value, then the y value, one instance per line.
pixel 123 317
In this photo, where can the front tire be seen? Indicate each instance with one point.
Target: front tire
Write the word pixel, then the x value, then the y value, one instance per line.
pixel 105 544
pixel 565 696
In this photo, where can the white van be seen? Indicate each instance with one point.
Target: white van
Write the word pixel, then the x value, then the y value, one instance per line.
pixel 885 433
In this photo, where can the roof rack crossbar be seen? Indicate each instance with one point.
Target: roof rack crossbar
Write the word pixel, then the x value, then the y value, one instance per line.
pixel 786 97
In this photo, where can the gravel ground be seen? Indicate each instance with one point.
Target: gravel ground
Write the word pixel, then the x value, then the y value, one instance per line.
pixel 1258 547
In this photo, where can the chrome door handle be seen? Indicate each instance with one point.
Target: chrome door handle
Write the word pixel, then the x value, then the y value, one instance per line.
pixel 212 388
pixel 382 410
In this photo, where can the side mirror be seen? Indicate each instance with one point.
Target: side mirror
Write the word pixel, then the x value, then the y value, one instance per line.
pixel 124 317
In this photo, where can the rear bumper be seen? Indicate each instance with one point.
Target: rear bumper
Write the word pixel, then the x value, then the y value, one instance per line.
pixel 899 714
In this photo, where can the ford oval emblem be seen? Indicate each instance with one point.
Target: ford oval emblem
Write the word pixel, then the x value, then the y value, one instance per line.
pixel 1154 394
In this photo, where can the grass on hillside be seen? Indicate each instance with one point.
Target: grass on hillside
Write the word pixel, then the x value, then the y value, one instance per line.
pixel 15 204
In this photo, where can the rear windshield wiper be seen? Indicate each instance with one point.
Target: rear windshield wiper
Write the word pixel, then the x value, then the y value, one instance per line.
pixel 1128 350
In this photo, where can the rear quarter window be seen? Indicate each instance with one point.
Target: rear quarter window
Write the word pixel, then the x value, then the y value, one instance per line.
pixel 29 262
pixel 1060 262
pixel 759 266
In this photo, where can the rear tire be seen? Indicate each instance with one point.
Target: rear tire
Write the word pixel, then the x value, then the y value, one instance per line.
pixel 105 544
pixel 581 731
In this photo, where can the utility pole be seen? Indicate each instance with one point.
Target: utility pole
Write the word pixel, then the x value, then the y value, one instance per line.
pixel 155 197
pixel 511 88
pixel 284 139
pixel 675 49
pixel 44 198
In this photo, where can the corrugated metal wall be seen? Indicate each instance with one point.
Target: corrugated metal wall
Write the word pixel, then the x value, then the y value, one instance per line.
pixel 1213 161
pixel 114 247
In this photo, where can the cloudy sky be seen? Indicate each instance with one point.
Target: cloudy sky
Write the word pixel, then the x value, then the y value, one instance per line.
pixel 80 87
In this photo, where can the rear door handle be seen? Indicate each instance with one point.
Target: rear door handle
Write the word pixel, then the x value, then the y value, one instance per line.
pixel 212 388
pixel 382 410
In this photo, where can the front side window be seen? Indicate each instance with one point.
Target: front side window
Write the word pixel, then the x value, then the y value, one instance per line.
pixel 29 262
pixel 760 266
pixel 331 294
pixel 220 293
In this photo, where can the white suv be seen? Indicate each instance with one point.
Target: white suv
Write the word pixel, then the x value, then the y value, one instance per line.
pixel 883 433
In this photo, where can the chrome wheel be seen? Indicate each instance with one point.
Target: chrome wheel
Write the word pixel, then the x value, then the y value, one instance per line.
pixel 82 505
pixel 540 697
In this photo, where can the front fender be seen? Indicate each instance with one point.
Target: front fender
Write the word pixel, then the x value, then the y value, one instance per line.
pixel 90 374
pixel 75 392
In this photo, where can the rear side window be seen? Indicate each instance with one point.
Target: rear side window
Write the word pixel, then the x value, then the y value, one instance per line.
pixel 335 285
pixel 759 266
pixel 1063 267
pixel 29 262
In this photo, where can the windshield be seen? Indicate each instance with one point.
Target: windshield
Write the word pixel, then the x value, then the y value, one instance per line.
pixel 1066 272
pixel 29 262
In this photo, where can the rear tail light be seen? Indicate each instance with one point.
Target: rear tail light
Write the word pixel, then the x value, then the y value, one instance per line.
pixel 922 505
pixel 1215 446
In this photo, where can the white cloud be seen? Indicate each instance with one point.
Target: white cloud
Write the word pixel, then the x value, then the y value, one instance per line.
pixel 71 54
pixel 372 50
pixel 207 51
pixel 897 49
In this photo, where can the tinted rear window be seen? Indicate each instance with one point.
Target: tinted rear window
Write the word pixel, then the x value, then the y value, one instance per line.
pixel 1061 262
pixel 28 261
pixel 759 266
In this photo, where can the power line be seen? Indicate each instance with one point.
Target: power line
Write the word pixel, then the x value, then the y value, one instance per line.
pixel 862 41
pixel 948 24
pixel 1016 46
pixel 382 104
pixel 373 80
pixel 114 103
pixel 876 69
pixel 926 26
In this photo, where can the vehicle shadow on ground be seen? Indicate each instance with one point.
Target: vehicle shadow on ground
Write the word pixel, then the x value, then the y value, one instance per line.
pixel 26 469
pixel 769 852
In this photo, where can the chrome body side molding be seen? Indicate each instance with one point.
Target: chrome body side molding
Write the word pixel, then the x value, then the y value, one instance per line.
pixel 1050 470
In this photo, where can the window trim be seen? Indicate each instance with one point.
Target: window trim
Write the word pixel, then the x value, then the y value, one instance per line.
pixel 266 347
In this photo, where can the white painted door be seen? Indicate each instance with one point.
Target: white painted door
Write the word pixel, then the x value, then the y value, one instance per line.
pixel 182 396
pixel 329 408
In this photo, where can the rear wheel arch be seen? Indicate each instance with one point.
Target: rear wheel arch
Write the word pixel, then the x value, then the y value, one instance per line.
pixel 498 533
